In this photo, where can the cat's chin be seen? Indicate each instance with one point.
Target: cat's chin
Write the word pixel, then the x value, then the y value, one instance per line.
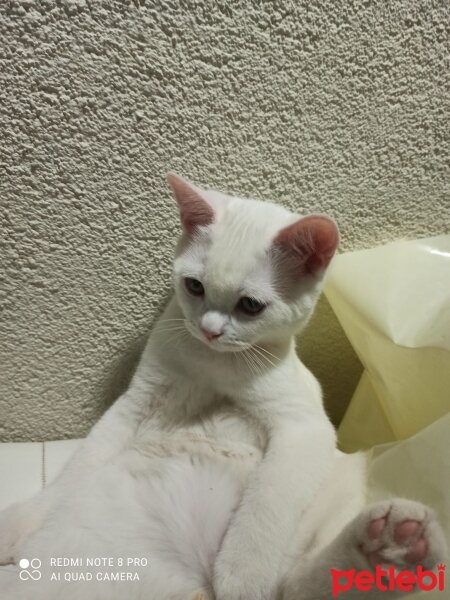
pixel 230 349
pixel 218 346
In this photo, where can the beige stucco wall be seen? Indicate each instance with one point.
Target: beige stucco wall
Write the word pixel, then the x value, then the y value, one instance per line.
pixel 325 106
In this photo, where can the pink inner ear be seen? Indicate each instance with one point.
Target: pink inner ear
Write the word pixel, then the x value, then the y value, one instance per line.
pixel 309 243
pixel 194 210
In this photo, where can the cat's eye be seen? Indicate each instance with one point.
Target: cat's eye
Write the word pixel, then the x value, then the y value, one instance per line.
pixel 250 306
pixel 194 286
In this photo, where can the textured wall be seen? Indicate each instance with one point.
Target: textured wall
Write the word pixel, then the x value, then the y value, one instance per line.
pixel 336 107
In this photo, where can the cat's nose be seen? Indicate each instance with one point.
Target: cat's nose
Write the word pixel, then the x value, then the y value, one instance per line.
pixel 210 335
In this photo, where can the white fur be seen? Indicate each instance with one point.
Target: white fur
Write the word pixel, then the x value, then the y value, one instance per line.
pixel 219 463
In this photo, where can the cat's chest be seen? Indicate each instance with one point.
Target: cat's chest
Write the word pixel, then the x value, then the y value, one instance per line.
pixel 192 419
pixel 227 424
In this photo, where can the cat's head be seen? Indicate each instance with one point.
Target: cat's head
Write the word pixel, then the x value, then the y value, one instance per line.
pixel 246 272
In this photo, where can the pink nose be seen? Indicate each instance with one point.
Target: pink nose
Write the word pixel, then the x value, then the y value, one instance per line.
pixel 210 335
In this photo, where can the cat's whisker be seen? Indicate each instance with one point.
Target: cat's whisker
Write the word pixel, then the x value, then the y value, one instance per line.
pixel 167 323
pixel 178 334
pixel 248 363
pixel 182 336
pixel 259 362
pixel 256 368
pixel 263 356
pixel 170 327
pixel 266 351
pixel 168 332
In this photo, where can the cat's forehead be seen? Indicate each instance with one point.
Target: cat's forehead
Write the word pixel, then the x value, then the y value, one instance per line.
pixel 236 253
pixel 244 217
pixel 244 231
pixel 233 252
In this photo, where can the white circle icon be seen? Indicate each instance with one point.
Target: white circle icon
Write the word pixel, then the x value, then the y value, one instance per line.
pixel 24 563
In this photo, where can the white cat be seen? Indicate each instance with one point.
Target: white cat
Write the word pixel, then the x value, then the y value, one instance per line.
pixel 218 465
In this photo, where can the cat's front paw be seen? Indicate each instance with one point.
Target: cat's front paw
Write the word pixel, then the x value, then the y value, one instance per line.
pixel 233 587
pixel 242 582
pixel 201 595
pixel 401 533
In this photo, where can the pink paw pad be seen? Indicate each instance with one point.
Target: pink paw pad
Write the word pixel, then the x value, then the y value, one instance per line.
pixel 376 528
pixel 418 551
pixel 406 530
pixel 408 533
pixel 400 533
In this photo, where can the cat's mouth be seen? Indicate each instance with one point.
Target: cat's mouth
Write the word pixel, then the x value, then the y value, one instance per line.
pixel 219 343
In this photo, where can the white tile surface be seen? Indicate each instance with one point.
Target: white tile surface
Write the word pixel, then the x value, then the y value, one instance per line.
pixel 20 472
pixel 56 455
pixel 24 467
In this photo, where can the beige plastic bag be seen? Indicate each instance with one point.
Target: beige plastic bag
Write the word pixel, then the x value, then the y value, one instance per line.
pixel 393 303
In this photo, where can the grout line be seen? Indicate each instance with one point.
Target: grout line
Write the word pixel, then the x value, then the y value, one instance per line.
pixel 44 474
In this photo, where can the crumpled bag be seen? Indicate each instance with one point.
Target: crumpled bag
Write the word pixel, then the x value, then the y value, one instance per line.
pixel 393 303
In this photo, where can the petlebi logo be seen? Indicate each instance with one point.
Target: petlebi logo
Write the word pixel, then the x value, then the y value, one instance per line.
pixel 387 580
pixel 29 569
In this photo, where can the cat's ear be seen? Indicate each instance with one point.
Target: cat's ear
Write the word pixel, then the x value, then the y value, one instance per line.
pixel 308 244
pixel 195 211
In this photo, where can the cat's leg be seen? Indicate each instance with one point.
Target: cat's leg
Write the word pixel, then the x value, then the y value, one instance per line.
pixel 298 457
pixel 106 439
pixel 115 430
pixel 399 532
pixel 253 552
